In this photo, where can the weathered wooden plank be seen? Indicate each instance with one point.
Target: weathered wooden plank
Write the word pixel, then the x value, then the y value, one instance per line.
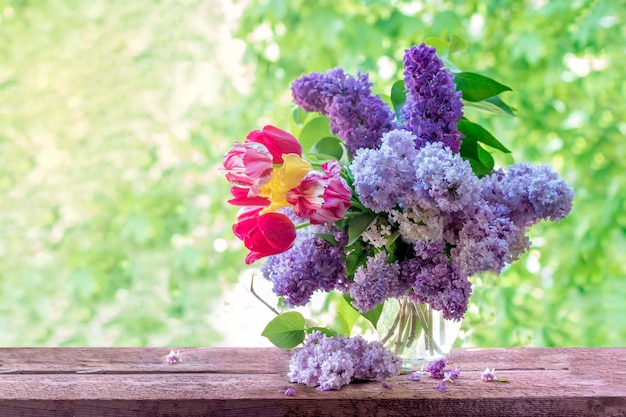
pixel 241 382
pixel 142 360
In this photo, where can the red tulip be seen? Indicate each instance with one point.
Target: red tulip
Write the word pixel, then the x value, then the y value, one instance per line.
pixel 277 141
pixel 242 198
pixel 264 235
pixel 321 197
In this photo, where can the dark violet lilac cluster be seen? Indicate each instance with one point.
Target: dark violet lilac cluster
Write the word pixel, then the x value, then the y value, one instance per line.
pixel 356 116
pixel 433 106
pixel 329 363
pixel 311 265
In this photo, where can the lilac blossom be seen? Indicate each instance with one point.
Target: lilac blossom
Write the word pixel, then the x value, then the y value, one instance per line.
pixel 443 179
pixel 436 368
pixel 527 194
pixel 441 386
pixel 173 357
pixel 487 242
pixel 438 281
pixel 374 283
pixel 382 176
pixel 290 392
pixel 312 264
pixel 488 375
pixel 328 363
pixel 414 376
pixel 433 106
pixel 356 116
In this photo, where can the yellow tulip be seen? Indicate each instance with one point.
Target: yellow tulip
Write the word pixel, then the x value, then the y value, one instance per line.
pixel 285 177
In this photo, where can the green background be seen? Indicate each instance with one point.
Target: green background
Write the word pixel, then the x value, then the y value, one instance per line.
pixel 114 116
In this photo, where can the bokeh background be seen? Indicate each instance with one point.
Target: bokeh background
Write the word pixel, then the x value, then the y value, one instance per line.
pixel 114 116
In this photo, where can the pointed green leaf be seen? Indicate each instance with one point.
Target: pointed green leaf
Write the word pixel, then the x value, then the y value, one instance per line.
pixel 314 130
pixel 285 330
pixel 476 131
pixel 497 101
pixel 490 107
pixel 476 87
pixel 398 97
pixel 457 44
pixel 358 224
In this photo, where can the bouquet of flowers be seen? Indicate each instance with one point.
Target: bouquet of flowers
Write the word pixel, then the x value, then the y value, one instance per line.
pixel 385 198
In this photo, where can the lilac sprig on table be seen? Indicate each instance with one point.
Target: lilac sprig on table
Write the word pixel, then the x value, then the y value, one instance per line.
pixel 329 363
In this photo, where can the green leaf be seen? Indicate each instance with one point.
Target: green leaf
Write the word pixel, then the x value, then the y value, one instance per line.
pixel 358 224
pixel 457 44
pixel 476 87
pixel 316 129
pixel 346 316
pixel 490 106
pixel 374 314
pixel 327 148
pixel 285 330
pixel 325 330
pixel 398 97
pixel 481 161
pixel 298 118
pixel 476 131
pixel 440 45
pixel 497 101
pixel 328 237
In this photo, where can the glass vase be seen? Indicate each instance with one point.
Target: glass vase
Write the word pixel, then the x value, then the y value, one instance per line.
pixel 416 332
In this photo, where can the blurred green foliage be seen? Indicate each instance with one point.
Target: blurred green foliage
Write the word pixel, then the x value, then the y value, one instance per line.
pixel 114 117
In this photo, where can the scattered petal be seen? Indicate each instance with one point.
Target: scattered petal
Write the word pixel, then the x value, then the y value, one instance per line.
pixel 489 375
pixel 290 392
pixel 385 384
pixel 173 357
pixel 441 386
pixel 415 376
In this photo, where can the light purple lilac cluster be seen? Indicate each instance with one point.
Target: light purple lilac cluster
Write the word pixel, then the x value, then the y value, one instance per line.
pixel 458 224
pixel 312 264
pixel 356 116
pixel 433 106
pixel 329 363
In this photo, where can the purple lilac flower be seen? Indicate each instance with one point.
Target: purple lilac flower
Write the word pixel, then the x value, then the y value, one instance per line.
pixel 488 375
pixel 433 106
pixel 312 264
pixel 356 116
pixel 487 242
pixel 331 362
pixel 173 357
pixel 443 179
pixel 527 194
pixel 382 176
pixel 436 368
pixel 414 376
pixel 454 373
pixel 441 386
pixel 374 283
pixel 438 281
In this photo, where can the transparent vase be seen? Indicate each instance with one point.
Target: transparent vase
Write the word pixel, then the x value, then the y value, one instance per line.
pixel 416 332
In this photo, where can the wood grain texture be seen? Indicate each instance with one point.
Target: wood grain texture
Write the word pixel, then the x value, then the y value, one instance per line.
pixel 88 382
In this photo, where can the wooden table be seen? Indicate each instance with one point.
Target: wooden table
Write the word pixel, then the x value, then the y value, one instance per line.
pixel 77 382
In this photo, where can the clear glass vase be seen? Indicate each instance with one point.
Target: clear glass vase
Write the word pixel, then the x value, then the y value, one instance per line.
pixel 416 332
